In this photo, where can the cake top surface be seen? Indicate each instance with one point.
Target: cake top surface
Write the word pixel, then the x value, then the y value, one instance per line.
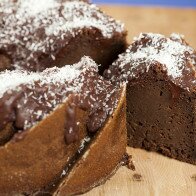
pixel 27 97
pixel 33 27
pixel 11 80
pixel 175 56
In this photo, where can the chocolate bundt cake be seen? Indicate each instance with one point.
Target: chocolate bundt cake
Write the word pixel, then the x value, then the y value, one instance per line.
pixel 57 125
pixel 62 125
pixel 39 34
pixel 160 74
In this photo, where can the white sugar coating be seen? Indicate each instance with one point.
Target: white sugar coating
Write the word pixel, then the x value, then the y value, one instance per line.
pixel 10 80
pixel 42 26
pixel 170 52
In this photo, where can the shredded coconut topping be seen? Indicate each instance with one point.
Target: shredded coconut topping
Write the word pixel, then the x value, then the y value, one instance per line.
pixel 10 80
pixel 176 57
pixel 27 97
pixel 34 7
pixel 30 28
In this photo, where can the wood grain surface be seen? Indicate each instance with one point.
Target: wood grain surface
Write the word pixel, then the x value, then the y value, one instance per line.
pixel 155 175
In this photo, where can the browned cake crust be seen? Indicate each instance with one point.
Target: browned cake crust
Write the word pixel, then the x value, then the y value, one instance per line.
pixel 161 94
pixel 102 157
pixel 56 33
pixel 31 163
pixel 47 121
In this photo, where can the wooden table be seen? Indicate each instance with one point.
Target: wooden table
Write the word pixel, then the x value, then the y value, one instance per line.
pixel 157 20
pixel 158 175
pixel 155 175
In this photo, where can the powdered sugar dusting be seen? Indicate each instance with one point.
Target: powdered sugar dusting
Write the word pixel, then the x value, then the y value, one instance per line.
pixel 31 29
pixel 148 49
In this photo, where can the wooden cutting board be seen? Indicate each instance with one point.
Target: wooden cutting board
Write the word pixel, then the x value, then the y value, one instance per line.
pixel 155 175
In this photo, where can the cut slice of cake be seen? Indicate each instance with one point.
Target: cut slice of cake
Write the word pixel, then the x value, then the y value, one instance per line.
pixel 161 94
pixel 102 157
pixel 49 120
pixel 37 34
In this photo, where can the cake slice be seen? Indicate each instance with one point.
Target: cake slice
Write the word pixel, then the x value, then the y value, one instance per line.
pixel 49 120
pixel 161 94
pixel 37 34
